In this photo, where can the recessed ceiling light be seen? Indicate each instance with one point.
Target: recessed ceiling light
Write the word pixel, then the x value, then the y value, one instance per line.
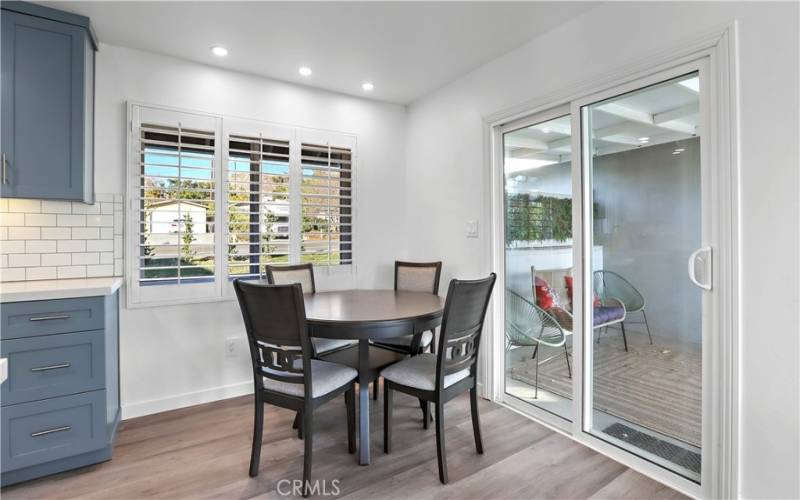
pixel 644 139
pixel 676 152
pixel 219 51
pixel 305 71
pixel 546 130
pixel 367 86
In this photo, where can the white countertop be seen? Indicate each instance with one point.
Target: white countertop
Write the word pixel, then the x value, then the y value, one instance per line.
pixel 21 291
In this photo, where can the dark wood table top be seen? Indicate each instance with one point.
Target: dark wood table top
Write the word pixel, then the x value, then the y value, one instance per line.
pixel 371 307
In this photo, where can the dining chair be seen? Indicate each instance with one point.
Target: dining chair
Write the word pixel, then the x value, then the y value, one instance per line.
pixel 304 274
pixel 284 373
pixel 438 378
pixel 413 277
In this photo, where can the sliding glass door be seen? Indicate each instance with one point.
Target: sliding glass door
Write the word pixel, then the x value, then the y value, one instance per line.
pixel 642 157
pixel 605 220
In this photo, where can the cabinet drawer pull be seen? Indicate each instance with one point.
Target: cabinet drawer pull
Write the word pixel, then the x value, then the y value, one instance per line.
pixel 50 367
pixel 49 318
pixel 51 431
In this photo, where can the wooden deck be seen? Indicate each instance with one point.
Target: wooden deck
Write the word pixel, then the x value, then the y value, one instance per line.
pixel 204 451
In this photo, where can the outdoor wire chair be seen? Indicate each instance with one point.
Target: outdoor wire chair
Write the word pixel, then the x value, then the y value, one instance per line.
pixel 610 286
pixel 528 325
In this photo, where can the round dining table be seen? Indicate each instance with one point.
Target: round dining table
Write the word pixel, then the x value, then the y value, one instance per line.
pixel 366 315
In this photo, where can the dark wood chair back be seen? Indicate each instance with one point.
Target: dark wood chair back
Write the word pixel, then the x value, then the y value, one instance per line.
pixel 462 324
pixel 300 273
pixel 275 321
pixel 417 276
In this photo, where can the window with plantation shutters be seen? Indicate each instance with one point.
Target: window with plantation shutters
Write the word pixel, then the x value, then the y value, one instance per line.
pixel 326 192
pixel 176 209
pixel 258 205
pixel 212 199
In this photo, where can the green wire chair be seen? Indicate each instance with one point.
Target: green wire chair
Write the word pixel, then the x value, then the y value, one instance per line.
pixel 609 285
pixel 528 325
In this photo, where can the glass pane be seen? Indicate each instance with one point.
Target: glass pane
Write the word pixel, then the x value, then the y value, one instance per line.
pixel 645 360
pixel 538 246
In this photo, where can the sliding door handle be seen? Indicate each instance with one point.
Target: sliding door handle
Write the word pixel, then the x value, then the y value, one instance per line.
pixel 693 258
pixel 5 169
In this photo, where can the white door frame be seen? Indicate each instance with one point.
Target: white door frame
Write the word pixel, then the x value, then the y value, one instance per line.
pixel 715 55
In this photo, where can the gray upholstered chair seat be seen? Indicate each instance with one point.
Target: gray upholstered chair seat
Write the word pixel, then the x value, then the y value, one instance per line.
pixel 321 346
pixel 325 377
pixel 420 372
pixel 405 340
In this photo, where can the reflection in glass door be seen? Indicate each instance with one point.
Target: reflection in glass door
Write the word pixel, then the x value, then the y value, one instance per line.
pixel 644 360
pixel 538 263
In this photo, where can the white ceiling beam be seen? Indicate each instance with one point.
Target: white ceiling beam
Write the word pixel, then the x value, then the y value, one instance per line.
pixel 638 116
pixel 516 141
pixel 677 113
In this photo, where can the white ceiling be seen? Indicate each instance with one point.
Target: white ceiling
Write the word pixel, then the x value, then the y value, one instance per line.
pixel 406 49
pixel 663 113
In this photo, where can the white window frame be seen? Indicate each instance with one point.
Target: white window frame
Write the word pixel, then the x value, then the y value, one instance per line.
pixel 224 127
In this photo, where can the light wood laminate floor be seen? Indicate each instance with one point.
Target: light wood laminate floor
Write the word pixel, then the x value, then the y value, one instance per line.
pixel 204 451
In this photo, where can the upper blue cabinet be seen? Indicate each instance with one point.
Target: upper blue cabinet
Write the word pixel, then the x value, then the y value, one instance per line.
pixel 47 104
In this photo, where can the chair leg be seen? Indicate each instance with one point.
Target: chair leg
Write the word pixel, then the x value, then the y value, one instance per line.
pixel 433 342
pixel 624 337
pixel 566 355
pixel 300 427
pixel 476 423
pixel 258 428
pixel 440 449
pixel 350 402
pixel 535 350
pixel 309 449
pixel 387 418
pixel 647 326
pixel 297 421
pixel 375 387
pixel 536 379
pixel 426 413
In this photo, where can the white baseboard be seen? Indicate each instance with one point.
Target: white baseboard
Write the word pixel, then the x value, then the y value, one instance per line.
pixel 142 408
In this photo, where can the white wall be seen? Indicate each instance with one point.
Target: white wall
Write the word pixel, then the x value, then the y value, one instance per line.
pixel 447 184
pixel 175 356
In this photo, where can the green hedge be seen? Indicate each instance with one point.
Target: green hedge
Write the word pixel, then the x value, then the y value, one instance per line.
pixel 536 217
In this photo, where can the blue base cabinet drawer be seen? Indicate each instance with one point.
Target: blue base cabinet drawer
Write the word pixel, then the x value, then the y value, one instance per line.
pixel 53 365
pixel 47 317
pixel 43 431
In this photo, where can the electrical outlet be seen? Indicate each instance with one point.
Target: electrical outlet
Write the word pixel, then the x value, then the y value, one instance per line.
pixel 230 346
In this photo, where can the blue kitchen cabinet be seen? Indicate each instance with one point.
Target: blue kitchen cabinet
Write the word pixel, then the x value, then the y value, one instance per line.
pixel 47 134
pixel 60 404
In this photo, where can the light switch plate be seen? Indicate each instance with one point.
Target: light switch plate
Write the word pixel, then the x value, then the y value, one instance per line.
pixel 472 229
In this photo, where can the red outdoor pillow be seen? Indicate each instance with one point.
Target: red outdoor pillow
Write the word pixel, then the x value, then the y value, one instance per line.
pixel 545 295
pixel 568 283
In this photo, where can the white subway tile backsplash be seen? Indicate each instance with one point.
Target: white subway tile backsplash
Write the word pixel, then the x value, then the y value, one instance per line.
pixel 101 270
pixel 12 274
pixel 71 246
pixel 40 246
pixel 24 233
pixel 40 219
pixel 68 272
pixel 71 220
pixel 99 246
pixel 56 207
pixel 56 259
pixel 44 239
pixel 40 273
pixel 23 260
pixel 83 208
pixel 100 220
pixel 56 233
pixel 12 219
pixel 25 206
pixel 85 233
pixel 84 258
pixel 12 246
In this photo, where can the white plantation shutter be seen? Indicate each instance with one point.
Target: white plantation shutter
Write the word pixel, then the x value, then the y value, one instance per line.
pixel 326 192
pixel 259 206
